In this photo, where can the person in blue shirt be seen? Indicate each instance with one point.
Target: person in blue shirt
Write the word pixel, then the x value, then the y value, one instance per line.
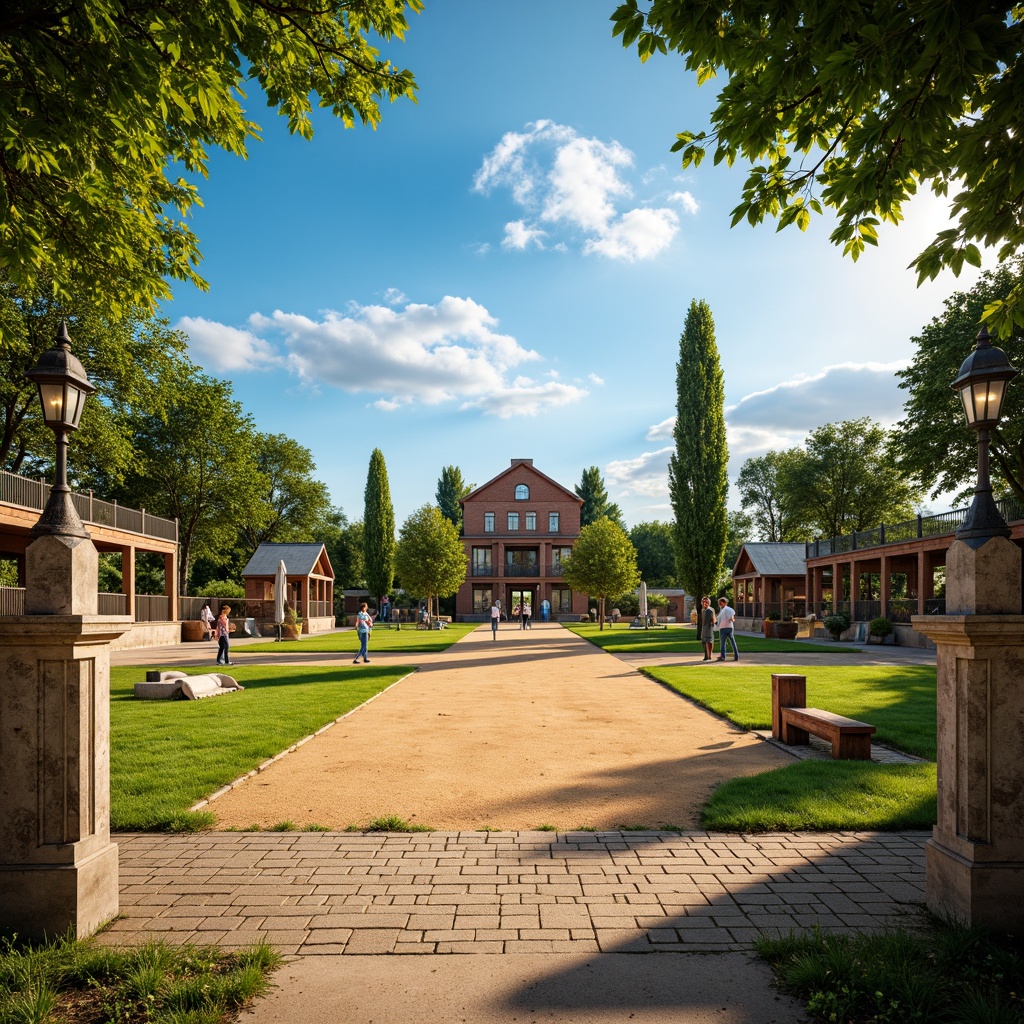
pixel 364 623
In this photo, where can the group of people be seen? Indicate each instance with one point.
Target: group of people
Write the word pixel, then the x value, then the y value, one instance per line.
pixel 522 611
pixel 724 622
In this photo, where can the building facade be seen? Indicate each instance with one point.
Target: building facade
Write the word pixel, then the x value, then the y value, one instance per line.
pixel 517 529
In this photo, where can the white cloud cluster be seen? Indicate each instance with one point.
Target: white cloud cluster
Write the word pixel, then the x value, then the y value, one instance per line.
pixel 421 353
pixel 567 183
pixel 778 417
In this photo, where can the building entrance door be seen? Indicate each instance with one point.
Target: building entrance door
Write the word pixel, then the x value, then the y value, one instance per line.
pixel 522 597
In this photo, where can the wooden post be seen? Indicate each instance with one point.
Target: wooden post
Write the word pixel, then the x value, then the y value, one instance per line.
pixel 788 691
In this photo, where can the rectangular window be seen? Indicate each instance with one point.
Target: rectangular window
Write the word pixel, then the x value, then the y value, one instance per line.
pixel 481 600
pixel 481 561
pixel 488 522
pixel 557 556
pixel 552 522
pixel 513 520
pixel 561 601
pixel 531 520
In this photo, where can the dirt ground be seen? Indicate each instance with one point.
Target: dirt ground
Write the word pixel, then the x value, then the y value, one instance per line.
pixel 538 728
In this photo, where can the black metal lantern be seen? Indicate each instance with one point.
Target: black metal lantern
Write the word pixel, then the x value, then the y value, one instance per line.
pixel 63 388
pixel 982 382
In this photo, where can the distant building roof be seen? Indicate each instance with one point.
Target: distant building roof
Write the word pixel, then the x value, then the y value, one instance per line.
pixel 299 559
pixel 776 559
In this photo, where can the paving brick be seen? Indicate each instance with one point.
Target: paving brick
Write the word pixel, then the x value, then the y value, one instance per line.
pixel 373 940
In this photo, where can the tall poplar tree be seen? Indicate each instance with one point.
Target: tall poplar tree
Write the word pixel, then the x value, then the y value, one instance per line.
pixel 697 477
pixel 378 529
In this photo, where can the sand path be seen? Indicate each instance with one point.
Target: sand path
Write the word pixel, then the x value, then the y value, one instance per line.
pixel 539 728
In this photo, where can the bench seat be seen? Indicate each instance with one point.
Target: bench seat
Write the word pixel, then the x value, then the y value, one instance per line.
pixel 850 739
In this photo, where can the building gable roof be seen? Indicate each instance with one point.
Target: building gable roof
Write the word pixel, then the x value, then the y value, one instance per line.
pixel 527 464
pixel 299 560
pixel 774 559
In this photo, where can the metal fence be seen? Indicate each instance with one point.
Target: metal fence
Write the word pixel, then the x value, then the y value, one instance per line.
pixel 25 492
pixel 1012 510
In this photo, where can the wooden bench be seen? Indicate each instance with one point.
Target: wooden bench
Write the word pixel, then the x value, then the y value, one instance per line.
pixel 792 722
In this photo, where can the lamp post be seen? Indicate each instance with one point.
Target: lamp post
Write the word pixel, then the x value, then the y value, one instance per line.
pixel 982 382
pixel 975 856
pixel 63 388
pixel 58 867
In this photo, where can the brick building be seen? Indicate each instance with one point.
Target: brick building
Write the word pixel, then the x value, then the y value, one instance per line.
pixel 517 528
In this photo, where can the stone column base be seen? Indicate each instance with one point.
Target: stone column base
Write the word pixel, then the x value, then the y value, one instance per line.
pixel 985 893
pixel 47 901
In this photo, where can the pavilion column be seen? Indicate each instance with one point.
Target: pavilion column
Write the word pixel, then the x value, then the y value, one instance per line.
pixel 128 578
pixel 925 581
pixel 305 603
pixel 885 583
pixel 854 588
pixel 837 585
pixel 171 585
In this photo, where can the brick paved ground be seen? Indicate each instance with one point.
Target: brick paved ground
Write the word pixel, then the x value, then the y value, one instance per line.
pixel 511 892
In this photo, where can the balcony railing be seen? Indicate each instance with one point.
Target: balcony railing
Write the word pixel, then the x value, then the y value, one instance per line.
pixel 24 492
pixel 938 525
pixel 522 570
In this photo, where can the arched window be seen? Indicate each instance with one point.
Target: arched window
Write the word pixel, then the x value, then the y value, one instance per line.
pixel 522 492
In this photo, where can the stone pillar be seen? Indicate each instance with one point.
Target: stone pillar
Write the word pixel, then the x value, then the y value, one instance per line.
pixel 171 585
pixel 128 587
pixel 975 858
pixel 58 867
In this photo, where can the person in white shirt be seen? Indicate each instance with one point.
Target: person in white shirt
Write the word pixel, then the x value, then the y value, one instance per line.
pixel 726 623
pixel 495 616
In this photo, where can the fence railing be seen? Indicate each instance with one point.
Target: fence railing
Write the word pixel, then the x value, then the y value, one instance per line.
pixel 25 492
pixel 1012 510
pixel 12 600
pixel 761 609
pixel 148 607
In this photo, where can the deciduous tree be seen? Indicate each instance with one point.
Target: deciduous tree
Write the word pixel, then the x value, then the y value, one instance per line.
pixel 592 490
pixel 855 106
pixel 655 554
pixel 378 529
pixel 107 106
pixel 847 479
pixel 933 441
pixel 602 563
pixel 763 496
pixel 430 558
pixel 697 473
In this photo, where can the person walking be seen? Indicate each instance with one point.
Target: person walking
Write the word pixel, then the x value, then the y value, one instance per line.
pixel 384 615
pixel 545 609
pixel 223 630
pixel 209 621
pixel 726 630
pixel 706 627
pixel 495 616
pixel 364 623
pixel 526 615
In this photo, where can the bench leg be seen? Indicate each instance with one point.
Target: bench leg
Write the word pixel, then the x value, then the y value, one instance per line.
pixel 852 748
pixel 792 735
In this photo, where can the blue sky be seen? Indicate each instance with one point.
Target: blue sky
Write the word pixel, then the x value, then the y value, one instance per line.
pixel 503 271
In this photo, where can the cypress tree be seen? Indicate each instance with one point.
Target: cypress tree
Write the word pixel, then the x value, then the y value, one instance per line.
pixel 697 478
pixel 596 505
pixel 378 529
pixel 451 489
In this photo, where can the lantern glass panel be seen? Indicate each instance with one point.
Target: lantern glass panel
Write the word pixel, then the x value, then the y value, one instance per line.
pixel 52 396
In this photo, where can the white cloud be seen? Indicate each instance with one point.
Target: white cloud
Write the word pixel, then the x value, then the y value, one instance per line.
pixel 685 200
pixel 226 348
pixel 518 235
pixel 647 474
pixel 450 351
pixel 594 379
pixel 577 185
pixel 661 431
pixel 395 296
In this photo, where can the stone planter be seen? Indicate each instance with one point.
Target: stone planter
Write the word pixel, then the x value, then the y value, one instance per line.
pixel 192 630
pixel 780 630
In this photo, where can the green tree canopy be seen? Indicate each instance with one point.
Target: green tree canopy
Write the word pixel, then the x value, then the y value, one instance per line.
pixel 592 490
pixel 655 554
pixel 602 563
pixel 697 473
pixel 763 496
pixel 108 112
pixel 933 441
pixel 855 106
pixel 451 489
pixel 378 529
pixel 847 479
pixel 430 558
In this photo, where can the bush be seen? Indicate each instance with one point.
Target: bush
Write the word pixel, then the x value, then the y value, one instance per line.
pixel 773 617
pixel 880 627
pixel 837 624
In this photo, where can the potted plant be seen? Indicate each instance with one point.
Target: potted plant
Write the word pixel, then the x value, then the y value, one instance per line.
pixel 879 629
pixel 292 625
pixel 837 624
pixel 768 626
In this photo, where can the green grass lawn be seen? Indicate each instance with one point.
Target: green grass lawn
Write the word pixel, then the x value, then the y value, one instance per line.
pixel 846 796
pixel 167 755
pixel 407 639
pixel 620 639
pixel 899 700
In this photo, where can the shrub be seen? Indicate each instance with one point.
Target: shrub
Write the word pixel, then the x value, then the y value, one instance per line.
pixel 773 617
pixel 880 626
pixel 837 624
